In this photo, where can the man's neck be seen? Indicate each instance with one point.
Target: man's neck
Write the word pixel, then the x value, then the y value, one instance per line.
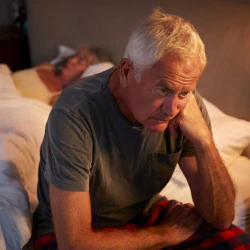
pixel 119 94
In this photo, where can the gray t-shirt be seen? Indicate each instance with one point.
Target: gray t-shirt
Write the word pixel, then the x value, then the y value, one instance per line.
pixel 89 145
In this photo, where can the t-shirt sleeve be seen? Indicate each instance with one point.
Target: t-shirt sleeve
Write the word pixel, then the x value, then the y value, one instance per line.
pixel 68 151
pixel 188 147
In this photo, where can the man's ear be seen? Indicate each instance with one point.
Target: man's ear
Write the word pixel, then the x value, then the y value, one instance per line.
pixel 126 69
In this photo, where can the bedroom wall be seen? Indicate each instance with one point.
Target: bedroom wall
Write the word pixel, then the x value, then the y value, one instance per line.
pixel 5 16
pixel 6 11
pixel 108 23
pixel 222 24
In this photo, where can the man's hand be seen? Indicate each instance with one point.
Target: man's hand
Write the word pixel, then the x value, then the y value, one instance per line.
pixel 180 223
pixel 210 183
pixel 190 122
pixel 72 221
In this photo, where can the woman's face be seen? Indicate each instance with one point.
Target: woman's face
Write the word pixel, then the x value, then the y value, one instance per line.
pixel 74 68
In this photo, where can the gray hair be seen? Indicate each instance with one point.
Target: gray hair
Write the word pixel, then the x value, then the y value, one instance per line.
pixel 91 55
pixel 94 54
pixel 162 34
pixel 85 51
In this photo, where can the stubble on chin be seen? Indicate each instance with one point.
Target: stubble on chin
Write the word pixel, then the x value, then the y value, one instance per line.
pixel 147 130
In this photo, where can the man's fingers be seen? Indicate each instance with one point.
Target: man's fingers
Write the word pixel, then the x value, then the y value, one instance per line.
pixel 188 205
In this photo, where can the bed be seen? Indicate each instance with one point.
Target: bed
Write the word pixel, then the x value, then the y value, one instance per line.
pixel 22 130
pixel 232 138
pixel 224 86
pixel 21 134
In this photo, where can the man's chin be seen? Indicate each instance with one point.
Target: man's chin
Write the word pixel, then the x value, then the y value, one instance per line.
pixel 158 128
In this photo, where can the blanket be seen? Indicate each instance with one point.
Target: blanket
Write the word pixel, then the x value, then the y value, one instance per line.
pixel 21 132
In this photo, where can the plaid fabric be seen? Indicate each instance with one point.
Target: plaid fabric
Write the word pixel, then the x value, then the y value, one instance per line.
pixel 46 242
pixel 205 238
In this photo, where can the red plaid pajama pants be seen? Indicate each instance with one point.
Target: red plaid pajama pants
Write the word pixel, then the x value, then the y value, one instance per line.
pixel 205 238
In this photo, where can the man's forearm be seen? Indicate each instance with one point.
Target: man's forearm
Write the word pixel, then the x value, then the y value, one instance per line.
pixel 119 239
pixel 215 194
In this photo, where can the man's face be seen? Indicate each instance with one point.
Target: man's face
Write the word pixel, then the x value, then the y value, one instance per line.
pixel 162 92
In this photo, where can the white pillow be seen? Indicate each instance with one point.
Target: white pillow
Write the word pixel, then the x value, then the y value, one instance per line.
pixel 97 68
pixel 7 86
pixel 247 151
pixel 63 52
pixel 231 135
pixel 5 69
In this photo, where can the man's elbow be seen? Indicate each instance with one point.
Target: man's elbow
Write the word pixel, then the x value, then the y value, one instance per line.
pixel 222 223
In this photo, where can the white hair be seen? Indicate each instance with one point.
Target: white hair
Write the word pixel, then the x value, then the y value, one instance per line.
pixel 162 34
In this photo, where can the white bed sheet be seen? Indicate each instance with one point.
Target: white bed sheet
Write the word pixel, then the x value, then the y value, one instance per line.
pixel 21 132
pixel 240 173
pixel 239 170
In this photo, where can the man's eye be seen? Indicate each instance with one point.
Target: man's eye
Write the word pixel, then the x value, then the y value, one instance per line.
pixel 184 94
pixel 161 91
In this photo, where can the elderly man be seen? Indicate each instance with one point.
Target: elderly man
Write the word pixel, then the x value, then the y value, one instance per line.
pixel 112 142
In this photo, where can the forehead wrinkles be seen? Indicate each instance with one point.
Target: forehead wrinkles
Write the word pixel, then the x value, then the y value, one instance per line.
pixel 179 72
pixel 173 78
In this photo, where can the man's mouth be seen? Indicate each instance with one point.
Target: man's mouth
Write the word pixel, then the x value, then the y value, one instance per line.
pixel 163 120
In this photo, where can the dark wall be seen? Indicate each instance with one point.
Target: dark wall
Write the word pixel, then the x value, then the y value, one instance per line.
pixel 223 25
pixel 108 23
pixel 5 14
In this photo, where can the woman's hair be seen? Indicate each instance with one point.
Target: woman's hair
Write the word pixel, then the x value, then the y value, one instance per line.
pixel 91 55
pixel 162 34
pixel 101 55
pixel 86 52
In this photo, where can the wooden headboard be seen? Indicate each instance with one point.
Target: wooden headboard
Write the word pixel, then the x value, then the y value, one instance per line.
pixel 222 24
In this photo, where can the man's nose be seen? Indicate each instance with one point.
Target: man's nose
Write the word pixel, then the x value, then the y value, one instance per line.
pixel 171 105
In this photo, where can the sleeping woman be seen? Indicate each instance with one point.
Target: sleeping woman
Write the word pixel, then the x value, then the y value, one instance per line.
pixel 45 82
